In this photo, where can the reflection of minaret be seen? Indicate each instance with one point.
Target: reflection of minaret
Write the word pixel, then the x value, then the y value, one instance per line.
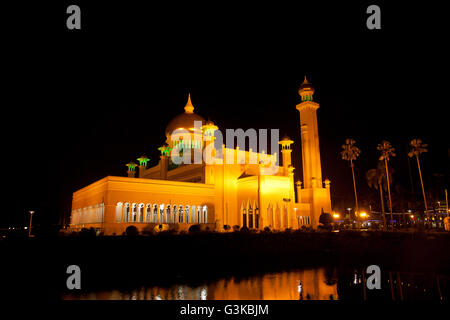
pixel 313 191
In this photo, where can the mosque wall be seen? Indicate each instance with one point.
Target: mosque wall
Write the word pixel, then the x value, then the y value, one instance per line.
pixel 131 201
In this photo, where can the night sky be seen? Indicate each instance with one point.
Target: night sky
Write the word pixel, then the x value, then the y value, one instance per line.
pixel 78 105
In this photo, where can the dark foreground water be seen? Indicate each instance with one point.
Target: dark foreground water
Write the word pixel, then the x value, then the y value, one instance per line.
pixel 237 265
pixel 321 283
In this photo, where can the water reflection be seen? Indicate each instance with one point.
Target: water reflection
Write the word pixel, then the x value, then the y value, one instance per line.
pixel 313 284
pixel 326 283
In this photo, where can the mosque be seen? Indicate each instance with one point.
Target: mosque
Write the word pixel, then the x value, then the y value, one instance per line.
pixel 225 190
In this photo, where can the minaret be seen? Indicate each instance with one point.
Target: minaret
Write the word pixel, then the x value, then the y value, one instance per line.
pixel 164 163
pixel 142 165
pixel 312 171
pixel 131 169
pixel 286 151
pixel 313 191
pixel 298 186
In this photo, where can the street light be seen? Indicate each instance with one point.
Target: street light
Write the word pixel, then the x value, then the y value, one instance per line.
pixel 31 219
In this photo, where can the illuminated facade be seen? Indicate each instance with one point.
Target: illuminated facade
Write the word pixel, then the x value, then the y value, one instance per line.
pixel 232 187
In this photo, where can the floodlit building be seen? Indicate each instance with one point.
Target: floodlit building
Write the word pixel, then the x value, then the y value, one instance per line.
pixel 213 185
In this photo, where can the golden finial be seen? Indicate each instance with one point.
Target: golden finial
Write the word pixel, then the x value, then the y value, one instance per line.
pixel 189 108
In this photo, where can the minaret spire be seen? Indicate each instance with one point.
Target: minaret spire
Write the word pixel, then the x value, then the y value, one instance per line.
pixel 189 108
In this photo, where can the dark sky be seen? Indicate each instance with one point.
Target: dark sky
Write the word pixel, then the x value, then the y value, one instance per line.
pixel 79 105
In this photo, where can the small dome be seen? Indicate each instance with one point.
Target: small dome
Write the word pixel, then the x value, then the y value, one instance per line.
pixel 184 120
pixel 286 141
pixel 306 87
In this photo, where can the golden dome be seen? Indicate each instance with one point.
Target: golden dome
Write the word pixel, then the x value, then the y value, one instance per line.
pixel 184 120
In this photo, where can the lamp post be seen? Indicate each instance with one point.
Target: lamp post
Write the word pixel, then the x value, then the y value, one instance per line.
pixel 349 214
pixel 31 220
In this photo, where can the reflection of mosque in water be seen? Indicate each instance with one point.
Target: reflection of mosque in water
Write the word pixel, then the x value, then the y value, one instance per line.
pixel 313 284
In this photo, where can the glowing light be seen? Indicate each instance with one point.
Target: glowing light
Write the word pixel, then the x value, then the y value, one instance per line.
pixel 363 214
pixel 203 294
pixel 131 166
pixel 336 215
pixel 143 161
pixel 300 287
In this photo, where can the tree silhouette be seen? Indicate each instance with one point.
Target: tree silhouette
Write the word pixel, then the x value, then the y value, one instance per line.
pixel 416 148
pixel 350 153
pixel 376 178
pixel 387 151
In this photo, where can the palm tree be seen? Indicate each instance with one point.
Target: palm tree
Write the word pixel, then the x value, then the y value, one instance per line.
pixel 350 153
pixel 387 151
pixel 376 178
pixel 417 147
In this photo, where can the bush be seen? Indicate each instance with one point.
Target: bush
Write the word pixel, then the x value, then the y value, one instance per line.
pixel 226 227
pixel 87 232
pixel 131 231
pixel 236 227
pixel 195 228
pixel 326 221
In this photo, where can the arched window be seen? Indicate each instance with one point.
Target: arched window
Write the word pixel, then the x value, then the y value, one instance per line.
pixel 286 216
pixel 256 217
pixel 161 213
pixel 119 211
pixel 133 212
pixel 141 213
pixel 193 218
pixel 126 213
pixel 244 217
pixel 85 214
pixel 250 216
pixel 180 214
pixel 270 215
pixel 89 215
pixel 148 213
pixel 186 211
pixel 205 214
pixel 277 218
pixel 155 213
pixel 199 214
pixel 174 214
pixel 95 215
pixel 167 218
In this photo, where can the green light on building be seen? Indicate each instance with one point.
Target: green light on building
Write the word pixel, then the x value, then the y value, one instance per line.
pixel 143 161
pixel 131 166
